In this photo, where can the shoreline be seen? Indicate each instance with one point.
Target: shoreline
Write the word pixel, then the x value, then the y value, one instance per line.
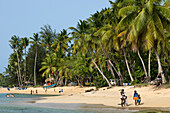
pixel 151 97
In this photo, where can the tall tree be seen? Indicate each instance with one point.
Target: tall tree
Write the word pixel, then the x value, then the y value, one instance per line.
pixel 14 44
pixel 25 42
pixel 36 41
pixel 148 20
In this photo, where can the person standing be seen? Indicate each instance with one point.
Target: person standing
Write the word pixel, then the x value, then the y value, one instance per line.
pixel 135 97
pixel 123 97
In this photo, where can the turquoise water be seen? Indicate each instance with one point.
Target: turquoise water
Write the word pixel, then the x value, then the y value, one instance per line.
pixel 24 103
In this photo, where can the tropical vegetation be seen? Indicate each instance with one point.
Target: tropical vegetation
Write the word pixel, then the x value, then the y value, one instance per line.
pixel 128 43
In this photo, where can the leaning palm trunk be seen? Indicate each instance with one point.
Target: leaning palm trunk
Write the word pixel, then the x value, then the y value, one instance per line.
pixel 35 64
pixel 110 63
pixel 101 72
pixel 149 66
pixel 19 69
pixel 118 72
pixel 160 67
pixel 128 66
pixel 110 68
pixel 143 64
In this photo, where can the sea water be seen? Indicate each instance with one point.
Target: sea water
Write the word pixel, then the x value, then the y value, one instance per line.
pixel 24 103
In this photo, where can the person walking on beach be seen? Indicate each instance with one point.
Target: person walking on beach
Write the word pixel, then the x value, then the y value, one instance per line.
pixel 135 97
pixel 123 97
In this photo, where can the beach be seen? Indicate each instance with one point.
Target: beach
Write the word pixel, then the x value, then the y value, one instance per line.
pixel 151 96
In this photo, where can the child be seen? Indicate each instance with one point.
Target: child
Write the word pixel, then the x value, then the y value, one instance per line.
pixel 139 99
pixel 126 102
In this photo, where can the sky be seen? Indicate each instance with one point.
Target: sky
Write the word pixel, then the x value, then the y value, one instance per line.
pixel 25 17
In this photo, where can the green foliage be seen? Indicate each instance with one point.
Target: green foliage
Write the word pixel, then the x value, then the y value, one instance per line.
pixel 112 34
pixel 135 82
pixel 100 82
pixel 30 63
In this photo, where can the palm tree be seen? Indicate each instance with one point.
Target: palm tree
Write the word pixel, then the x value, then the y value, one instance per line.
pixel 36 41
pixel 61 41
pixel 47 35
pixel 49 65
pixel 148 20
pixel 25 42
pixel 14 44
pixel 83 42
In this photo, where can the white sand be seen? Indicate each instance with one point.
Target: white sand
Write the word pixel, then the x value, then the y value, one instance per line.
pixel 151 97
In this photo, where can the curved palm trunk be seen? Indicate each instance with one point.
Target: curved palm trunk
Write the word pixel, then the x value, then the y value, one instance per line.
pixel 19 69
pixel 143 64
pixel 149 66
pixel 160 67
pixel 110 68
pixel 118 72
pixel 101 72
pixel 128 66
pixel 35 64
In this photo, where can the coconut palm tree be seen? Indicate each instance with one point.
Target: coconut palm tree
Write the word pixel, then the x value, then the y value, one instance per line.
pixel 14 44
pixel 25 42
pixel 35 40
pixel 147 19
pixel 83 42
pixel 47 37
pixel 61 41
pixel 49 65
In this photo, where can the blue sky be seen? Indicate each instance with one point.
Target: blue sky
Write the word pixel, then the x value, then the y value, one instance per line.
pixel 25 17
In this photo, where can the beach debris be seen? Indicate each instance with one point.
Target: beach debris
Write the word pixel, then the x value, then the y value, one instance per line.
pixel 89 90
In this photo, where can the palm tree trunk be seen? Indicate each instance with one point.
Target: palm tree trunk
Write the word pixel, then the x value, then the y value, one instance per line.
pixel 143 64
pixel 118 72
pixel 25 73
pixel 19 69
pixel 149 66
pixel 128 66
pixel 65 81
pixel 18 78
pixel 101 72
pixel 110 68
pixel 160 67
pixel 35 64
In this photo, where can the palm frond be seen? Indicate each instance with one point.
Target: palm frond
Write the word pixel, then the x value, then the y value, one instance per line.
pixel 163 11
pixel 128 10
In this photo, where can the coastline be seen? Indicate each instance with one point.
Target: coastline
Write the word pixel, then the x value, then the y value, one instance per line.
pixel 151 97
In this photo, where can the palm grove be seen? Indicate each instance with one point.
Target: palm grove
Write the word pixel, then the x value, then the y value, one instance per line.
pixel 129 42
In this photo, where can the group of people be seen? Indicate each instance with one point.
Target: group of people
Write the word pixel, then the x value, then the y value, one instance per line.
pixel 136 98
pixel 10 95
pixel 32 92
